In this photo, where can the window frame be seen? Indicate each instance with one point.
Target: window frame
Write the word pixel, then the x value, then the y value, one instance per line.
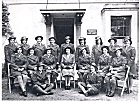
pixel 129 17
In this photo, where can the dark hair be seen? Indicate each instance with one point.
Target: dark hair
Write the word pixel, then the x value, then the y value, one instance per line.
pixel 83 49
pixel 11 38
pixel 130 41
pixel 106 48
pixel 16 51
pixel 22 40
pixel 52 38
pixel 38 37
pixel 101 42
pixel 45 52
pixel 38 66
pixel 30 50
pixel 84 42
pixel 68 48
pixel 119 50
pixel 115 40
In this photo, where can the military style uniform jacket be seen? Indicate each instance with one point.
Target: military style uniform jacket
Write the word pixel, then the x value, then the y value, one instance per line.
pixel 39 50
pixel 78 48
pixel 33 61
pixel 93 79
pixel 39 78
pixel 119 63
pixel 130 54
pixel 84 61
pixel 112 50
pixel 49 61
pixel 25 48
pixel 9 51
pixel 55 51
pixel 104 62
pixel 96 53
pixel 18 62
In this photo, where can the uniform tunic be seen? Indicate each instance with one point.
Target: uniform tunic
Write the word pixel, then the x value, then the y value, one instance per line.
pixel 119 63
pixel 39 50
pixel 95 81
pixel 9 51
pixel 130 54
pixel 55 51
pixel 49 61
pixel 50 66
pixel 96 53
pixel 39 78
pixel 78 53
pixel 63 46
pixel 112 50
pixel 84 61
pixel 33 61
pixel 17 62
pixel 68 65
pixel 25 48
pixel 104 63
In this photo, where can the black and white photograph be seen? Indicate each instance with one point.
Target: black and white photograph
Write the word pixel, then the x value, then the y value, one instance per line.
pixel 70 50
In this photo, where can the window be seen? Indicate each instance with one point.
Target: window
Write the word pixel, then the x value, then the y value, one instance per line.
pixel 121 26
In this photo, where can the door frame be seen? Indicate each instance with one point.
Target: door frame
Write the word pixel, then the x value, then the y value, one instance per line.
pixel 49 16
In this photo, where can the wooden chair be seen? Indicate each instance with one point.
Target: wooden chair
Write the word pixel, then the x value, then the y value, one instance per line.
pixel 125 82
pixel 55 82
pixel 12 79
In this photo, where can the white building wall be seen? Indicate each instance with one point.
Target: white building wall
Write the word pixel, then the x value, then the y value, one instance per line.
pixel 92 20
pixel 26 20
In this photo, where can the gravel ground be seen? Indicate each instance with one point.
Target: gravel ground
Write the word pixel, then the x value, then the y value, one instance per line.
pixel 66 95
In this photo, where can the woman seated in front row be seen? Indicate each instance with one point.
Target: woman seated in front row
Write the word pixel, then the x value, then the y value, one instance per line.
pixel 84 63
pixel 18 69
pixel 67 63
pixel 33 61
pixel 92 84
pixel 40 81
pixel 49 62
pixel 117 71
pixel 104 64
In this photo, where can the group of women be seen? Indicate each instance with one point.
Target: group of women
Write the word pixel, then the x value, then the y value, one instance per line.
pixel 41 63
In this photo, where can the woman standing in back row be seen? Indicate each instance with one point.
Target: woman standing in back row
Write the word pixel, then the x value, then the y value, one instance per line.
pixel 82 43
pixel 130 53
pixel 96 49
pixel 39 48
pixel 24 45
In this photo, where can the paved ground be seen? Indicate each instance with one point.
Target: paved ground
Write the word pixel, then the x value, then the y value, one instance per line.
pixel 61 94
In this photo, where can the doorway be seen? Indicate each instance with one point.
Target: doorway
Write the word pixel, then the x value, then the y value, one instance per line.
pixel 63 27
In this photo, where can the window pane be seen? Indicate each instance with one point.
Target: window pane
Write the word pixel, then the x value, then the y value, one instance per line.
pixel 121 25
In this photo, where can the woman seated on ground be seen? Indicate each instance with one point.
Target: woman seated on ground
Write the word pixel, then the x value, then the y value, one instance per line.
pixel 117 71
pixel 92 85
pixel 104 63
pixel 33 61
pixel 18 69
pixel 40 82
pixel 49 62
pixel 84 63
pixel 67 63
